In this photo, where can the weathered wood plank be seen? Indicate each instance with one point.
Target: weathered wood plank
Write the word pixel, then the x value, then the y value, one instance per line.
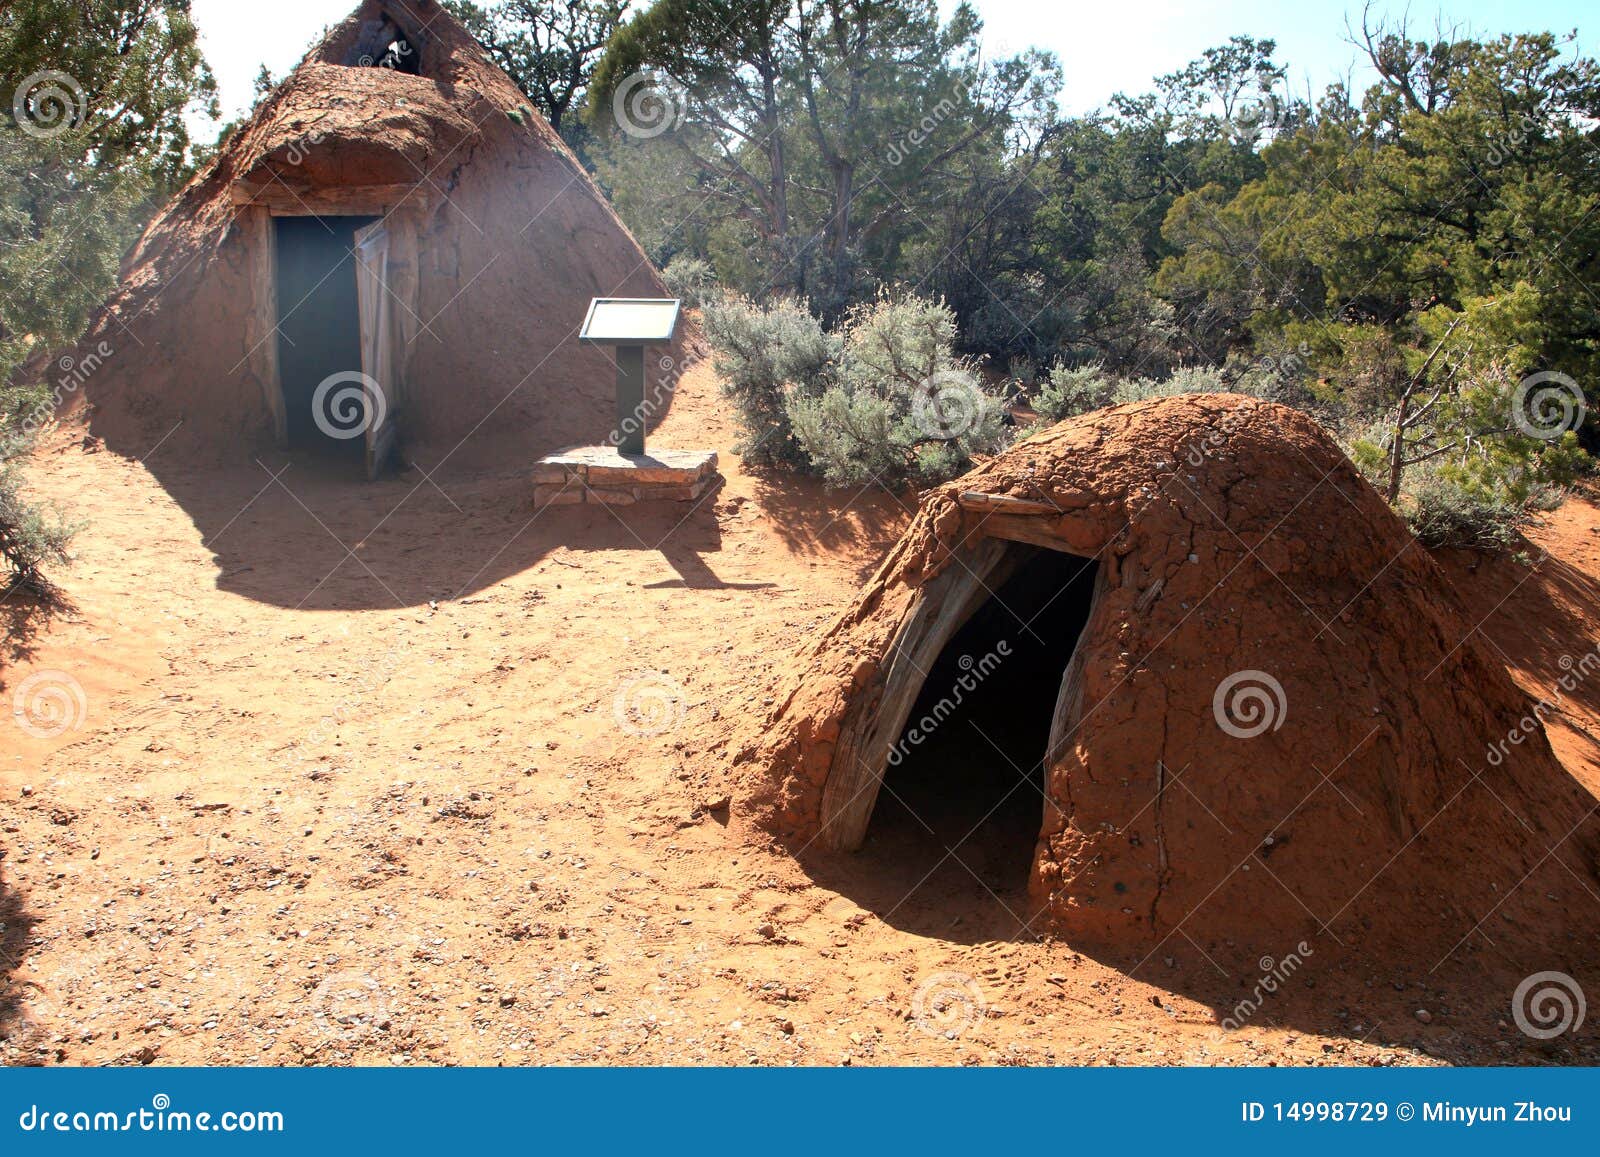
pixel 260 331
pixel 862 754
pixel 1026 528
pixel 978 501
pixel 287 200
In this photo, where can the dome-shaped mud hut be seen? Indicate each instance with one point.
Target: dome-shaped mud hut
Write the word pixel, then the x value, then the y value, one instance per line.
pixel 1235 698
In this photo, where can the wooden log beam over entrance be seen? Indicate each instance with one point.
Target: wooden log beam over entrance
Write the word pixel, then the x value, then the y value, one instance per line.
pixel 287 200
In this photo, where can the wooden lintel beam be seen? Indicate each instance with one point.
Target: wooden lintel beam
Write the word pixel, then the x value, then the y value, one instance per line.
pixel 341 200
pixel 976 500
pixel 1021 528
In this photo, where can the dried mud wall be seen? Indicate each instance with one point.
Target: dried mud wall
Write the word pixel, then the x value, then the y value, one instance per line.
pixel 1240 550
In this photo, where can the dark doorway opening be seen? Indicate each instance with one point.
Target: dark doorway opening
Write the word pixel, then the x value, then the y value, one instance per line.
pixel 967 774
pixel 319 327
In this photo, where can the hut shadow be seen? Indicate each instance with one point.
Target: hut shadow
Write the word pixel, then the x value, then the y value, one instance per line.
pixel 814 520
pixel 16 928
pixel 298 531
pixel 1336 991
pixel 936 897
pixel 308 533
pixel 1532 611
pixel 1346 992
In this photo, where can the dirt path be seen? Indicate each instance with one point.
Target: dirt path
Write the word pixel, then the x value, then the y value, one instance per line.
pixel 401 773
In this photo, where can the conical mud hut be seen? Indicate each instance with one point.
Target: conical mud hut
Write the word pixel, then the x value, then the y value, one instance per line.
pixel 394 219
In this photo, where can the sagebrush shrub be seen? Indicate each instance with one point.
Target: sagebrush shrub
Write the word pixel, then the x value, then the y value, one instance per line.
pixel 902 406
pixel 885 398
pixel 31 536
pixel 763 354
pixel 692 279
pixel 1442 511
pixel 1073 391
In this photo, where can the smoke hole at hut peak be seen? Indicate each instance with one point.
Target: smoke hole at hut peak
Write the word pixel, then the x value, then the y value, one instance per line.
pixel 968 776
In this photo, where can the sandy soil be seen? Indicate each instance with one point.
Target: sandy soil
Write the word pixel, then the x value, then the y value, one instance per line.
pixel 402 773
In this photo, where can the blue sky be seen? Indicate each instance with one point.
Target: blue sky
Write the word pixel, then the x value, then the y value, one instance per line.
pixel 1105 46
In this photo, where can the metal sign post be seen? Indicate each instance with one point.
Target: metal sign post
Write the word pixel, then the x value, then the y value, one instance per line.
pixel 630 399
pixel 628 325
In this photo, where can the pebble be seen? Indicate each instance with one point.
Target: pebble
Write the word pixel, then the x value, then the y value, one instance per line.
pixel 1424 1016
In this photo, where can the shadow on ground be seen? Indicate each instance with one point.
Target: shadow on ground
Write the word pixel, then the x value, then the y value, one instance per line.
pixel 16 929
pixel 304 533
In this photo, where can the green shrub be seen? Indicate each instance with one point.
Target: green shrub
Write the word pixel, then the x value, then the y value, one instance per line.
pixel 902 407
pixel 692 279
pixel 1071 392
pixel 1184 380
pixel 883 399
pixel 31 537
pixel 1443 511
pixel 763 355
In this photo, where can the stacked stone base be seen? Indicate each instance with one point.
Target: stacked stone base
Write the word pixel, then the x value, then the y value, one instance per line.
pixel 600 475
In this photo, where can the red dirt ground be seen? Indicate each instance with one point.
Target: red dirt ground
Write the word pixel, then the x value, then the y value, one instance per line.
pixel 374 805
